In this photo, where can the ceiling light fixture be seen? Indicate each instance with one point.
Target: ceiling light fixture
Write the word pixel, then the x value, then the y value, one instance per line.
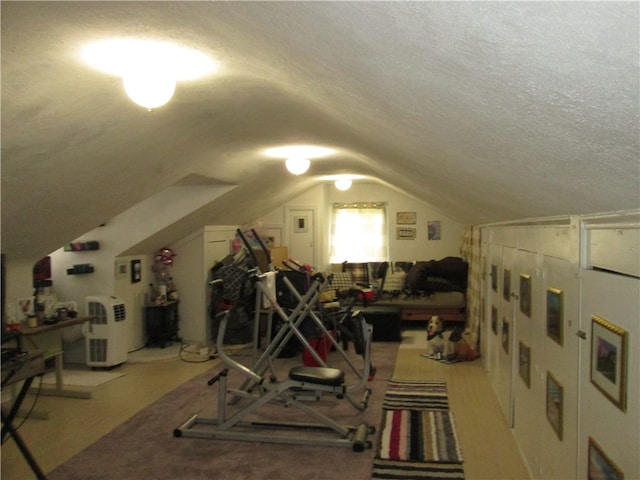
pixel 298 156
pixel 149 69
pixel 343 184
pixel 298 165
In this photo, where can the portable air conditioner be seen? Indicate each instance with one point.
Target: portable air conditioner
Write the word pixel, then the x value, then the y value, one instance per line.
pixel 106 333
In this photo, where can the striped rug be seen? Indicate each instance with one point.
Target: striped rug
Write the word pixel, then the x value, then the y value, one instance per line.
pixel 392 470
pixel 410 395
pixel 419 436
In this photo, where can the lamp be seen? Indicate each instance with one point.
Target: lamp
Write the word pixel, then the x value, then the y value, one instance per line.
pixel 149 69
pixel 343 184
pixel 298 165
pixel 150 87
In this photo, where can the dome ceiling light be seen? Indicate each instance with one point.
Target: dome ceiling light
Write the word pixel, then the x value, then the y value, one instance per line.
pixel 298 156
pixel 343 184
pixel 298 165
pixel 149 69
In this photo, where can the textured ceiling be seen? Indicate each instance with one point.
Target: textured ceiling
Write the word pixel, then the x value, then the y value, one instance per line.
pixel 490 111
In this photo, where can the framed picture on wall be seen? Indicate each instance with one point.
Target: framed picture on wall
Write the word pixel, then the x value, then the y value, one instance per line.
pixel 524 353
pixel 609 360
pixel 505 335
pixel 405 233
pixel 600 465
pixel 434 230
pixel 494 278
pixel 494 319
pixel 555 312
pixel 122 269
pixel 136 271
pixel 406 218
pixel 555 402
pixel 506 284
pixel 300 224
pixel 525 294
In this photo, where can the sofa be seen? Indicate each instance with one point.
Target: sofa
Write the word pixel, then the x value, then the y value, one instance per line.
pixel 404 292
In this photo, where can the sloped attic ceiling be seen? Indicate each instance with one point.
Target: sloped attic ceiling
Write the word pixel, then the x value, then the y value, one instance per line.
pixel 488 110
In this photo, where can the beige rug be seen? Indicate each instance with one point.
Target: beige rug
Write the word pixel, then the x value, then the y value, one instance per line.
pixel 81 378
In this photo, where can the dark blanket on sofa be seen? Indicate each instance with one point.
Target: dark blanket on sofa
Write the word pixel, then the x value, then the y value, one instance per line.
pixel 446 275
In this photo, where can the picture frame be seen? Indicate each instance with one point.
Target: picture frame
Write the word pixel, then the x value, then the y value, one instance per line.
pixel 609 360
pixel 434 230
pixel 122 269
pixel 405 233
pixel 494 319
pixel 555 315
pixel 599 465
pixel 524 355
pixel 494 278
pixel 555 404
pixel 505 335
pixel 406 218
pixel 506 284
pixel 525 294
pixel 300 224
pixel 136 271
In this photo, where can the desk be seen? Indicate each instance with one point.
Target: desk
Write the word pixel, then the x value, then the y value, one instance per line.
pixel 25 366
pixel 48 338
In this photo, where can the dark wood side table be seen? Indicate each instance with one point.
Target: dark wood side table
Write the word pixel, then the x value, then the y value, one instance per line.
pixel 162 324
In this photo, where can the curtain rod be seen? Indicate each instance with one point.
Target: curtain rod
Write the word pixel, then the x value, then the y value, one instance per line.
pixel 360 205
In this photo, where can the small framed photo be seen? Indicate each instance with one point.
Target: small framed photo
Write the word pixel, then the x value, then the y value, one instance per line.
pixel 136 271
pixel 433 228
pixel 505 335
pixel 600 465
pixel 609 360
pixel 555 400
pixel 555 314
pixel 406 218
pixel 494 278
pixel 122 269
pixel 524 353
pixel 494 319
pixel 300 224
pixel 525 294
pixel 405 233
pixel 506 284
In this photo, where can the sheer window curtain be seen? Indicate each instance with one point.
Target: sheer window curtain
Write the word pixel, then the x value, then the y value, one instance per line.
pixel 359 233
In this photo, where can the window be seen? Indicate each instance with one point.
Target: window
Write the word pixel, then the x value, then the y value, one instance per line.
pixel 359 233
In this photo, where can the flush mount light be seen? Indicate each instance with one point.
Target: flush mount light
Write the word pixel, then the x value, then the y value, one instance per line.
pixel 298 165
pixel 298 156
pixel 149 69
pixel 343 184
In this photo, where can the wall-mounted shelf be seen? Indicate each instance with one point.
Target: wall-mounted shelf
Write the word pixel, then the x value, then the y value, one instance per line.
pixel 80 269
pixel 81 246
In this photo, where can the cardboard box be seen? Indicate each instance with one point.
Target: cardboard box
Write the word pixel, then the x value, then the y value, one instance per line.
pixel 278 254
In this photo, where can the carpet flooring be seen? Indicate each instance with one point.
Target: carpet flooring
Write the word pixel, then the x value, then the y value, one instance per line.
pixel 144 447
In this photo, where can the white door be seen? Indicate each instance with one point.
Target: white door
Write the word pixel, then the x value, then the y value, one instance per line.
pixel 612 424
pixel 301 234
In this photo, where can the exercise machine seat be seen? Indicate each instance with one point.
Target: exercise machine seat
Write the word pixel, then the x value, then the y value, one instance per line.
pixel 332 377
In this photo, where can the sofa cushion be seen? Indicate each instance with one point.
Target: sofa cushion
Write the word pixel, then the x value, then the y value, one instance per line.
pixel 359 272
pixel 394 281
pixel 342 281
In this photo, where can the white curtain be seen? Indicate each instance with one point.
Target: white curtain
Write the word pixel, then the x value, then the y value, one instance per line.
pixel 359 233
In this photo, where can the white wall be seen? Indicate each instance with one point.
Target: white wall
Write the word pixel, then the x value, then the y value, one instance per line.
pixel 323 197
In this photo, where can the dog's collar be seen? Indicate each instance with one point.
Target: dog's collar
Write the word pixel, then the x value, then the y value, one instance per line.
pixel 434 335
